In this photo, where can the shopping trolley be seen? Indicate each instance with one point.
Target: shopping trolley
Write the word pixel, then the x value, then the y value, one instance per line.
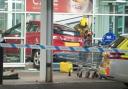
pixel 88 64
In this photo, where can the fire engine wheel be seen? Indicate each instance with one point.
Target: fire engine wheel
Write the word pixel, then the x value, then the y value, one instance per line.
pixel 36 59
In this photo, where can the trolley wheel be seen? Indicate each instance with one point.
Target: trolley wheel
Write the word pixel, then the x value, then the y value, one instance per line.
pixel 92 74
pixel 96 74
pixel 80 75
pixel 87 74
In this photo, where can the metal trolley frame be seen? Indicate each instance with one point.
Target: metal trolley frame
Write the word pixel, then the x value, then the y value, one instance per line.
pixel 88 64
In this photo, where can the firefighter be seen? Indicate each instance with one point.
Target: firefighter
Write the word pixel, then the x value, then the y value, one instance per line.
pixel 83 29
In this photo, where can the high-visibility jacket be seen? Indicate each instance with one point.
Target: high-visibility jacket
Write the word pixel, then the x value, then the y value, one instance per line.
pixel 83 30
pixel 102 71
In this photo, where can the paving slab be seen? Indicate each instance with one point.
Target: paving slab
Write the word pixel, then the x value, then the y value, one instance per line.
pixel 33 77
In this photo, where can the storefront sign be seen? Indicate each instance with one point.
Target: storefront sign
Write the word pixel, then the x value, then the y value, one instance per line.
pixel 63 6
pixel 73 6
pixel 33 5
pixel 81 6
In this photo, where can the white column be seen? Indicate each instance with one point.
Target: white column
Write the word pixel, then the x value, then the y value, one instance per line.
pixel 43 41
pixel 9 19
pixel 46 39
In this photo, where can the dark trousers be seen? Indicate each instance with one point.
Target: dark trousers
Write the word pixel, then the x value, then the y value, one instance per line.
pixel 102 76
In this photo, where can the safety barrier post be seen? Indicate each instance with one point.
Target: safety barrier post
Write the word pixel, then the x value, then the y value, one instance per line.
pixel 69 73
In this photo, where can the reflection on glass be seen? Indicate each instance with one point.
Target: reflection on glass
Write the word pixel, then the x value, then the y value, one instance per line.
pixel 2 5
pixel 110 7
pixel 13 31
pixel 17 5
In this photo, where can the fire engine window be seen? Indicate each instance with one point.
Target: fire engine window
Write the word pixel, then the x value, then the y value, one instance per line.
pixel 67 28
pixel 64 30
pixel 56 30
pixel 14 30
pixel 34 28
pixel 72 33
pixel 68 33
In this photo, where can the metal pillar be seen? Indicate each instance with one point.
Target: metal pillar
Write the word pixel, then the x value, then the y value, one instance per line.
pixel 1 62
pixel 46 39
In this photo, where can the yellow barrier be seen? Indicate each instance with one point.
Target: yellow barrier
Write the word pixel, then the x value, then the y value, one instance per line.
pixel 124 56
pixel 66 67
pixel 123 45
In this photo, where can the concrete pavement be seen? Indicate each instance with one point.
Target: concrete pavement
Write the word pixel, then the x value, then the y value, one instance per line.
pixel 33 77
pixel 29 79
pixel 80 85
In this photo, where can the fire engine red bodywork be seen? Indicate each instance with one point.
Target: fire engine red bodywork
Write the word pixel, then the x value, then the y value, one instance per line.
pixel 33 37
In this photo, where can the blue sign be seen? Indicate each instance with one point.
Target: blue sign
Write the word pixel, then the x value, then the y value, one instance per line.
pixel 108 38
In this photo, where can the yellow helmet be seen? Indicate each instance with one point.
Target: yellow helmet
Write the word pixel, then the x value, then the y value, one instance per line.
pixel 83 21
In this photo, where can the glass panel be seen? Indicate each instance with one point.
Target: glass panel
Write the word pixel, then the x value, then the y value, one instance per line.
pixel 104 23
pixel 126 25
pixel 110 7
pixel 18 5
pixel 16 31
pixel 12 24
pixel 13 55
pixel 119 21
pixel 13 5
pixel 126 9
pixel 33 17
pixel 17 25
pixel 3 21
pixel 119 25
pixel 119 8
pixel 2 5
pixel 17 18
pixel 126 20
